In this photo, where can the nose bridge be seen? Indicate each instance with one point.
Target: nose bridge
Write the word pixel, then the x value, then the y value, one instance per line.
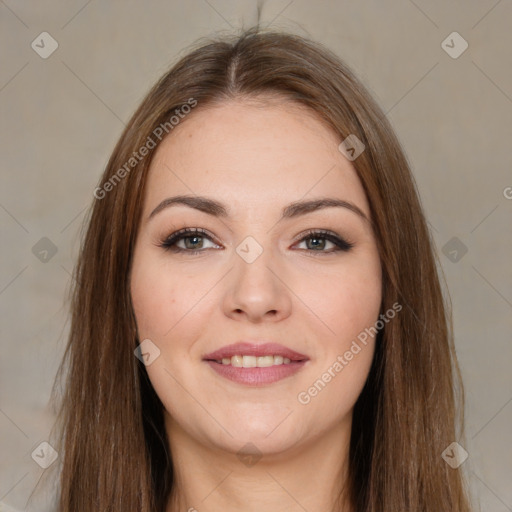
pixel 256 287
pixel 254 261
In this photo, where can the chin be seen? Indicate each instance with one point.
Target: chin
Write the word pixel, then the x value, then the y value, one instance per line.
pixel 258 444
pixel 272 434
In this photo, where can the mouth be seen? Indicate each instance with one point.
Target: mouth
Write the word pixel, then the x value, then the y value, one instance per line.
pixel 255 364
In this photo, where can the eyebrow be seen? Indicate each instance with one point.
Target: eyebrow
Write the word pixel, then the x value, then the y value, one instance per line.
pixel 295 209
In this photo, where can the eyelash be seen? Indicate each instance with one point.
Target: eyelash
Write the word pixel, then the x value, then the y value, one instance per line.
pixel 169 243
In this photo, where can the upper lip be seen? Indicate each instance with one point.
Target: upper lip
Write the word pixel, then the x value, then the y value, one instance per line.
pixel 243 348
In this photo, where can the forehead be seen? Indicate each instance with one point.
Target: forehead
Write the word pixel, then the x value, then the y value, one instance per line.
pixel 264 153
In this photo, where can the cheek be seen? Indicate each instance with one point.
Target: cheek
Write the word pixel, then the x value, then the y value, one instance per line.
pixel 349 306
pixel 154 299
pixel 166 317
pixel 169 306
pixel 347 301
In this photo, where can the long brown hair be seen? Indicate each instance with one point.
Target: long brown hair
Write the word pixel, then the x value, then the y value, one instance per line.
pixel 114 453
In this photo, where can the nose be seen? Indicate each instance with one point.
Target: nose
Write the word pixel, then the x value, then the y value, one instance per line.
pixel 257 290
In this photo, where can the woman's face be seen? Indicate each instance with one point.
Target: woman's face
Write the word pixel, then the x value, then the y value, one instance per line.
pixel 255 275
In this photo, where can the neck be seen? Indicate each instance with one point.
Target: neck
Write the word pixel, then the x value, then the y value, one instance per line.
pixel 309 477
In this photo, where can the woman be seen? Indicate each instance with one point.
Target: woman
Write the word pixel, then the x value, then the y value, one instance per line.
pixel 257 319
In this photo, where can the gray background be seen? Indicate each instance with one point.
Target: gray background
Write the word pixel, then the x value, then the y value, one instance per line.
pixel 61 116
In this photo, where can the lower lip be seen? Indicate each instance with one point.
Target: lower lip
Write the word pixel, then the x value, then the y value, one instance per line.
pixel 257 376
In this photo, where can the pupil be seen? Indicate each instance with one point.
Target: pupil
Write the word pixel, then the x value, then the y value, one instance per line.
pixel 188 240
pixel 317 239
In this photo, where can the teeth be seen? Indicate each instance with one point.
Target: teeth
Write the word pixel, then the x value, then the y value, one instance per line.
pixel 249 361
pixel 264 361
pixel 254 361
pixel 237 361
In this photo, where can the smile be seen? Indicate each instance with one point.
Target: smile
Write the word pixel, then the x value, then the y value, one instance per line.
pixel 253 361
pixel 256 371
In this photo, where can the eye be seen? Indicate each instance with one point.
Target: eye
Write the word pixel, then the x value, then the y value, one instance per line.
pixel 320 238
pixel 193 241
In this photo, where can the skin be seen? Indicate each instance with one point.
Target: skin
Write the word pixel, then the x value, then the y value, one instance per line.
pixel 256 158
